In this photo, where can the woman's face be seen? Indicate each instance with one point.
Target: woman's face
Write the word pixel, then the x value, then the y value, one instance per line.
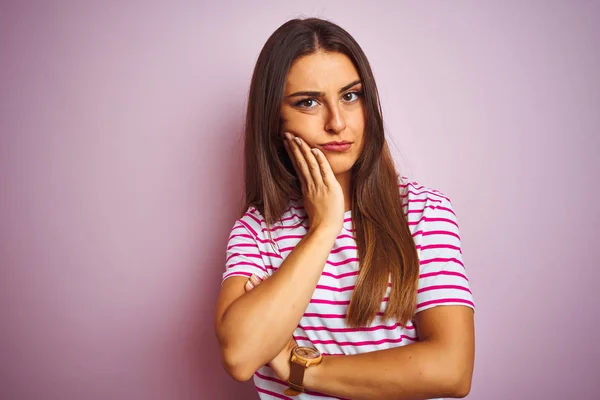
pixel 323 103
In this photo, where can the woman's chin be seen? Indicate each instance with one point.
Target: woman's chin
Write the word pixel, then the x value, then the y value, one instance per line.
pixel 341 166
pixel 341 171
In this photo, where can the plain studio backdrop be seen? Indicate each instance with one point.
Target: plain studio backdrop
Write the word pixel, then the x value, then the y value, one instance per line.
pixel 121 177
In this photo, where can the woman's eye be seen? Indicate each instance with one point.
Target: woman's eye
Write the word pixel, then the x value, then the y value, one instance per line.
pixel 306 103
pixel 351 96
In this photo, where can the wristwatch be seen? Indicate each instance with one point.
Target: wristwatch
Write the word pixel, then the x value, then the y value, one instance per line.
pixel 302 358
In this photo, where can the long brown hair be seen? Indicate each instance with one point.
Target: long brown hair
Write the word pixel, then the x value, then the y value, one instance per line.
pixel 385 244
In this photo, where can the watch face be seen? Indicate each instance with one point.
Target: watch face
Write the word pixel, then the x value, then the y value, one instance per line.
pixel 307 352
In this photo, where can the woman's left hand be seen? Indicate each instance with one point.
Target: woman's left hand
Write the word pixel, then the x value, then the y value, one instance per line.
pixel 281 362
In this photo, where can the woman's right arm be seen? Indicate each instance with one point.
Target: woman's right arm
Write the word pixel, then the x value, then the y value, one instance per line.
pixel 253 327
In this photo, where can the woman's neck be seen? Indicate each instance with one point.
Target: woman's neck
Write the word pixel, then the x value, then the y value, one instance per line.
pixel 345 181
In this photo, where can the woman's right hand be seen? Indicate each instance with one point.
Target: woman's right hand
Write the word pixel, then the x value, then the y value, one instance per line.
pixel 322 194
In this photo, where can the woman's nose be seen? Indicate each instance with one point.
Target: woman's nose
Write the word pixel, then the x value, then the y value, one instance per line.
pixel 335 121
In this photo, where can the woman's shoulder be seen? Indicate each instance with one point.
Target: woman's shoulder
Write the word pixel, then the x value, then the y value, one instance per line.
pixel 251 221
pixel 413 189
pixel 422 201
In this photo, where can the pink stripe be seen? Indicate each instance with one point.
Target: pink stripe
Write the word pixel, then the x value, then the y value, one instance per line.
pixel 416 186
pixel 246 263
pixel 242 245
pixel 427 192
pixel 358 344
pixel 338 263
pixel 285 237
pixel 236 226
pixel 421 211
pixel 423 200
pixel 276 228
pixel 284 249
pixel 258 221
pixel 319 315
pixel 429 233
pixel 344 248
pixel 279 396
pixel 430 274
pixel 265 240
pixel 334 289
pixel 330 302
pixel 293 208
pixel 291 217
pixel 268 254
pixel 344 236
pixel 437 246
pixel 243 255
pixel 252 231
pixel 339 290
pixel 340 276
pixel 337 302
pixel 240 273
pixel 335 251
pixel 241 235
pixel 445 301
pixel 444 260
pixel 345 330
pixel 442 287
pixel 428 219
pixel 269 378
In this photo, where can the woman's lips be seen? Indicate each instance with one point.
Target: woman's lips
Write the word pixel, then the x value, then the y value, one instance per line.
pixel 337 147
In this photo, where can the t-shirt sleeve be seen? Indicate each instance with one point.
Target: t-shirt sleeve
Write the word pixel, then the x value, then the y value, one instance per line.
pixel 443 279
pixel 243 257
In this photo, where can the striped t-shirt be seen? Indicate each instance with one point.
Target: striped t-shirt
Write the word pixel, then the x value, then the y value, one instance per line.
pixel 442 280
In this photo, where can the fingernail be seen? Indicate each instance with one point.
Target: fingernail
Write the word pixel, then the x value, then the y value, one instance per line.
pixel 250 285
pixel 298 140
pixel 255 279
pixel 287 135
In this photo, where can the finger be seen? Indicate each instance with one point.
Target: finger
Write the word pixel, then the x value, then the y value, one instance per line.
pixel 288 149
pixel 325 167
pixel 307 162
pixel 255 280
pixel 311 161
pixel 248 286
pixel 304 174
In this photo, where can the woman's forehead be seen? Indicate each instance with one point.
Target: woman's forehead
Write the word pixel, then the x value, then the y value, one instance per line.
pixel 321 72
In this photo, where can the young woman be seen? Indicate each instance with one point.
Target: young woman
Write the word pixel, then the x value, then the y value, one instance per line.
pixel 342 280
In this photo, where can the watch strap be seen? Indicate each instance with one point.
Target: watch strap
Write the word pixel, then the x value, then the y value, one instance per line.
pixel 296 379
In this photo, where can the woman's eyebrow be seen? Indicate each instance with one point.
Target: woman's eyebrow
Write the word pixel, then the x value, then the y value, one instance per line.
pixel 321 94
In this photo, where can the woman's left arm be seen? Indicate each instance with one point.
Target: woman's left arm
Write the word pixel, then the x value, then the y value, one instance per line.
pixel 439 365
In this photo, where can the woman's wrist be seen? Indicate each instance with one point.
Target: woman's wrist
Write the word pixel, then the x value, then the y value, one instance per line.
pixel 325 233
pixel 313 374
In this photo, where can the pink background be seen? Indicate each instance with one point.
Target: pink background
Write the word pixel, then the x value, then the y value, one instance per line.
pixel 120 174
